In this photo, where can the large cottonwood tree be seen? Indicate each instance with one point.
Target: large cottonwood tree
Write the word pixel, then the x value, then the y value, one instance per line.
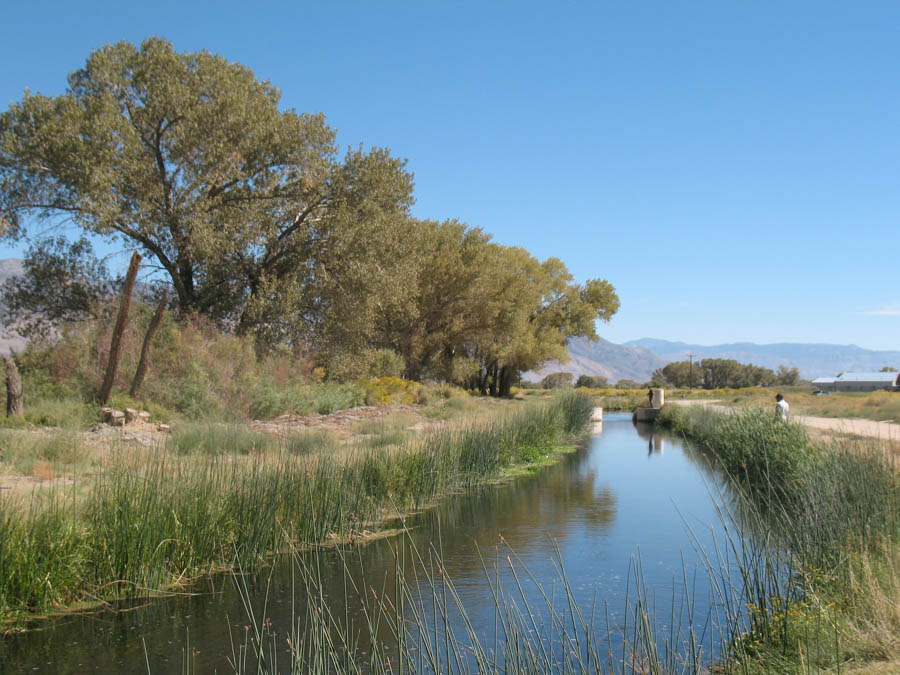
pixel 248 209
pixel 481 313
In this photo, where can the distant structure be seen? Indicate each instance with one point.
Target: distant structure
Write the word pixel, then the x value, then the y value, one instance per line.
pixel 656 401
pixel 859 382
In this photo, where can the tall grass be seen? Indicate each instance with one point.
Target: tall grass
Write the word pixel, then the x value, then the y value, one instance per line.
pixel 805 581
pixel 816 520
pixel 751 444
pixel 145 526
pixel 419 623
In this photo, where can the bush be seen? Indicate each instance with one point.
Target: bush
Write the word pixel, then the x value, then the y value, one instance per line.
pixel 195 370
pixel 386 390
pixel 592 381
pixel 557 380
pixel 386 363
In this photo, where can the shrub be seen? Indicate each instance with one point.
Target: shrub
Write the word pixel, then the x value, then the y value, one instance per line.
pixel 195 370
pixel 557 380
pixel 386 390
pixel 386 363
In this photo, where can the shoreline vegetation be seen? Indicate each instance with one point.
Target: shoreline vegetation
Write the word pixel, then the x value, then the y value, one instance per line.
pixel 814 539
pixel 153 521
pixel 822 519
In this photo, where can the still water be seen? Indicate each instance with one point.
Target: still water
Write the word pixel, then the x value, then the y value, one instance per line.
pixel 632 496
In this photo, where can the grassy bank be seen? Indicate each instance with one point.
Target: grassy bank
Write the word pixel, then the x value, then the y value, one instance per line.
pixel 818 553
pixel 151 520
pixel 812 536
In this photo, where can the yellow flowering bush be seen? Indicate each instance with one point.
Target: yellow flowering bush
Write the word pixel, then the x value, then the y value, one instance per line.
pixel 387 390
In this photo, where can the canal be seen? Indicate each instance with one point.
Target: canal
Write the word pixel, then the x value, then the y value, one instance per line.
pixel 635 512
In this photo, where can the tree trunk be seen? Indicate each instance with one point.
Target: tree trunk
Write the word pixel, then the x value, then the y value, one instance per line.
pixel 145 349
pixel 13 390
pixel 506 379
pixel 116 342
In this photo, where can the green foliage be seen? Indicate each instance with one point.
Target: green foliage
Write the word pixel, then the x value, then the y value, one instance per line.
pixel 753 445
pixel 338 397
pixel 556 381
pixel 60 282
pixel 262 228
pixel 682 374
pixel 59 412
pixel 817 522
pixel 480 313
pixel 196 504
pixel 723 374
pixel 592 382
pixel 787 377
pixel 58 451
pixel 195 370
pixel 430 394
pixel 270 399
pixel 219 439
pixel 386 363
pixel 245 206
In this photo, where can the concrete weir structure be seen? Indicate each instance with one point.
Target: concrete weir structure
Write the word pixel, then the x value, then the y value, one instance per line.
pixel 597 421
pixel 657 400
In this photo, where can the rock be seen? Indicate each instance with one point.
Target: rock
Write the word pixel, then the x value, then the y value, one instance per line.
pixel 162 427
pixel 130 415
pixel 116 418
pixel 144 416
pixel 105 414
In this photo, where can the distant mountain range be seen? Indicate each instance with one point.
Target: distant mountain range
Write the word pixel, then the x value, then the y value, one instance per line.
pixel 812 359
pixel 637 359
pixel 612 361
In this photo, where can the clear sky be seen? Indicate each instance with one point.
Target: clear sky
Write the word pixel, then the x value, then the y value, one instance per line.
pixel 731 167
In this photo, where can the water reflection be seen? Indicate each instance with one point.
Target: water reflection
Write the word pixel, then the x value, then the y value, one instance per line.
pixel 655 437
pixel 627 495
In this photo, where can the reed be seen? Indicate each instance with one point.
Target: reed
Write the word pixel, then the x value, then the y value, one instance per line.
pixel 814 521
pixel 418 623
pixel 153 522
pixel 805 581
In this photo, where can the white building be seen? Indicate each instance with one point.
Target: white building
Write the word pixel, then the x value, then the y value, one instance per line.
pixel 859 382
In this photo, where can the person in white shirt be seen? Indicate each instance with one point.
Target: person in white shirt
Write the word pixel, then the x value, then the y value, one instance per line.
pixel 781 407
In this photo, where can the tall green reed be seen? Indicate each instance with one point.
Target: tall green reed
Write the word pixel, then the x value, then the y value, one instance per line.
pixel 153 522
pixel 809 515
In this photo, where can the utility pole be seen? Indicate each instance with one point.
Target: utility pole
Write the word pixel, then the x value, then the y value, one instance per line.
pixel 691 357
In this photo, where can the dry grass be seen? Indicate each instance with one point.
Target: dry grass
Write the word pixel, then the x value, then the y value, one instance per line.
pixel 874 604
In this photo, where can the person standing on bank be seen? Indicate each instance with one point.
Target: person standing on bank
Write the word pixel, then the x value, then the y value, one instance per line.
pixel 781 407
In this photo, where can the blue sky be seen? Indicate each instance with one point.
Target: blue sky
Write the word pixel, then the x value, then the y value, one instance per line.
pixel 732 168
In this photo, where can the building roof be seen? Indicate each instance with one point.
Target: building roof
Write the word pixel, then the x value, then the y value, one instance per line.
pixel 867 377
pixel 823 380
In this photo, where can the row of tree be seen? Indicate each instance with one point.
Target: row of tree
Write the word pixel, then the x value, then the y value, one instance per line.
pixel 252 218
pixel 723 374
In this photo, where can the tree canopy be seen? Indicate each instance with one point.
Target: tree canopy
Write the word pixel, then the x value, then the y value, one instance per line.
pixel 724 373
pixel 61 281
pixel 257 223
pixel 482 313
pixel 188 157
